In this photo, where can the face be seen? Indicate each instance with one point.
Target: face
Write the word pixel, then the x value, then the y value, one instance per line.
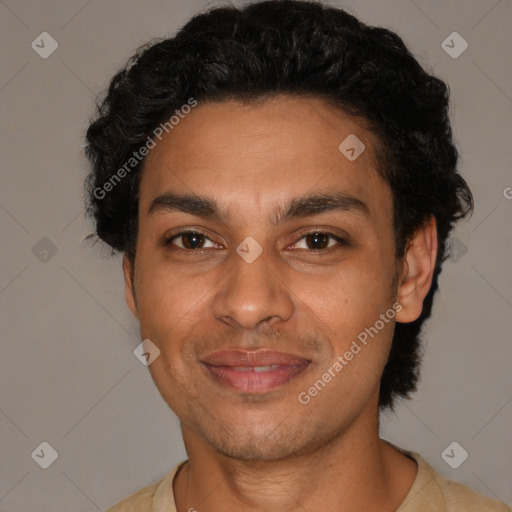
pixel 263 253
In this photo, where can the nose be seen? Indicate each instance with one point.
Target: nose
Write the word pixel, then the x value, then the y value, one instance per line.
pixel 252 294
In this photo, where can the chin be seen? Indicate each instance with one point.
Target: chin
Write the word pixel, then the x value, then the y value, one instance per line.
pixel 257 449
pixel 270 442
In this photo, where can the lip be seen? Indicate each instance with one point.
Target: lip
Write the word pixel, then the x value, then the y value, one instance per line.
pixel 254 372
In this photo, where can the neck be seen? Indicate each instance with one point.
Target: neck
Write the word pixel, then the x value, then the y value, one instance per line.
pixel 354 471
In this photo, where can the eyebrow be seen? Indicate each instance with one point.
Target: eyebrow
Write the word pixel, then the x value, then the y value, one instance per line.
pixel 300 207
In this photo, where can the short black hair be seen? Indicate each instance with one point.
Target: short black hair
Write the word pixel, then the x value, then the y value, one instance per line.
pixel 299 48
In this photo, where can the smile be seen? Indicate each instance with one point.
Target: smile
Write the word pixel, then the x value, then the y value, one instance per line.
pixel 254 372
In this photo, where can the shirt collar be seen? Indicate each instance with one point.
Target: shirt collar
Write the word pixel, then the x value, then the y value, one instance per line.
pixel 425 493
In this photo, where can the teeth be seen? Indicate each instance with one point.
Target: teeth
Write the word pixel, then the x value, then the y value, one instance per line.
pixel 255 368
pixel 265 368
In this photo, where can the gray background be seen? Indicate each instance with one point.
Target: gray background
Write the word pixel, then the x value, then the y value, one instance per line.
pixel 68 373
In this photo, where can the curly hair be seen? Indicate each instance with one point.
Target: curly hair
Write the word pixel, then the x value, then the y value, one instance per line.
pixel 299 48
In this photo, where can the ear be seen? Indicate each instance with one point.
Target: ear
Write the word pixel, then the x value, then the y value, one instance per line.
pixel 417 272
pixel 129 291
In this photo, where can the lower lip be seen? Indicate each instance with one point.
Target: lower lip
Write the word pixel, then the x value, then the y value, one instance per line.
pixel 251 381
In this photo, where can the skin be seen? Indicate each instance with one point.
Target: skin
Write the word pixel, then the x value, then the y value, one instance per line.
pixel 268 451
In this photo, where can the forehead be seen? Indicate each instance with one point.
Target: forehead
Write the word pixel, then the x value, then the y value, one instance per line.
pixel 280 148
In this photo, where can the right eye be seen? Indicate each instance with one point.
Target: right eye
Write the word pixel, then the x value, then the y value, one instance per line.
pixel 189 241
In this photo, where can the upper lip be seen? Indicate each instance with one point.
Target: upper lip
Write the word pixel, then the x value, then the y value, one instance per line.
pixel 253 358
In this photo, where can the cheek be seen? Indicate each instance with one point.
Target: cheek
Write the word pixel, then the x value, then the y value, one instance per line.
pixel 349 303
pixel 164 298
pixel 174 307
pixel 352 294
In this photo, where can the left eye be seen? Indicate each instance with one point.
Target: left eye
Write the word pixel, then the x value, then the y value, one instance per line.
pixel 319 240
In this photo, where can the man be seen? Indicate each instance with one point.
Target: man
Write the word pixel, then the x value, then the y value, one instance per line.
pixel 281 180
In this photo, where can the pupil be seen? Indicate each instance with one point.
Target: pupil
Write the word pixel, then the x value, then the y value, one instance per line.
pixel 321 239
pixel 192 240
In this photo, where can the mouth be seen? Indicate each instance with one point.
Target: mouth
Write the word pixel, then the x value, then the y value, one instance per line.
pixel 254 372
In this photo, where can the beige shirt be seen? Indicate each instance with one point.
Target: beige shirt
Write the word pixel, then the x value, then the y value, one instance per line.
pixel 430 492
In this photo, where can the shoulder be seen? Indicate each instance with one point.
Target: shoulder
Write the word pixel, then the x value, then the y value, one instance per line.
pixel 459 497
pixel 432 492
pixel 141 501
pixel 156 497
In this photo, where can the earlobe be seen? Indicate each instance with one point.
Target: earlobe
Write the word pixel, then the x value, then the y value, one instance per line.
pixel 417 272
pixel 129 292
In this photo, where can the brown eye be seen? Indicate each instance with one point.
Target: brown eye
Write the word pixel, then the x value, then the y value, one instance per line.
pixel 317 241
pixel 189 240
pixel 192 240
pixel 320 240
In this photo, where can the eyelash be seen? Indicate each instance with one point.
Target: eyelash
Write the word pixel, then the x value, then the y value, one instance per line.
pixel 168 241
